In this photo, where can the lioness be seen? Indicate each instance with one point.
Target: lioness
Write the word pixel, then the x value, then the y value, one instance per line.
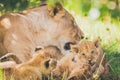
pixel 36 68
pixel 21 32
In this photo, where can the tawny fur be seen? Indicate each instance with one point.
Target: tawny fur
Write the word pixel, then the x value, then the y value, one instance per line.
pixel 34 69
pixel 64 66
pixel 86 53
pixel 68 67
pixel 90 52
pixel 50 51
pixel 21 32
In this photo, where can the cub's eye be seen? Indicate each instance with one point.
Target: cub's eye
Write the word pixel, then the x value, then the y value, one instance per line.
pixel 92 52
pixel 83 54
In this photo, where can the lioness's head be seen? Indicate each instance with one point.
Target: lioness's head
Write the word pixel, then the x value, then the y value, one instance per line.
pixel 57 27
pixel 87 51
pixel 70 32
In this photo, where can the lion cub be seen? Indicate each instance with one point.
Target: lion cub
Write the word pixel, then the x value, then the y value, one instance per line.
pixel 91 53
pixel 79 61
pixel 43 61
pixel 11 59
pixel 87 51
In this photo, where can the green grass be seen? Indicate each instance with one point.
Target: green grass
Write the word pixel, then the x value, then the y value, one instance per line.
pixel 1 75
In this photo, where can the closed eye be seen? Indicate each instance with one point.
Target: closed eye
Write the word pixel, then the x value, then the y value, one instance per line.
pixel 92 52
pixel 83 54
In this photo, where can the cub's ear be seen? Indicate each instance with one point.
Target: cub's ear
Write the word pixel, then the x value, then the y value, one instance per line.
pixel 74 48
pixel 47 63
pixel 38 48
pixel 56 10
pixel 96 43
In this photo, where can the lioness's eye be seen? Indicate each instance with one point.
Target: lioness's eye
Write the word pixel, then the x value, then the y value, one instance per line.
pixel 92 52
pixel 67 46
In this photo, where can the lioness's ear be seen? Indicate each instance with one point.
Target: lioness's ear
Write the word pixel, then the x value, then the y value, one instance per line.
pixel 74 48
pixel 96 43
pixel 56 9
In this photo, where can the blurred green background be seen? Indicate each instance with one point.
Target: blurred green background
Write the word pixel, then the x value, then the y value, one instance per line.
pixel 97 19
pixel 84 7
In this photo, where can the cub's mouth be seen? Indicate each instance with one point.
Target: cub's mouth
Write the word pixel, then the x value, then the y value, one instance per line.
pixel 92 63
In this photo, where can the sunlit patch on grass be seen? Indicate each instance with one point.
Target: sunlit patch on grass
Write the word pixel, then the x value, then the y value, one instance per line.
pixel 1 75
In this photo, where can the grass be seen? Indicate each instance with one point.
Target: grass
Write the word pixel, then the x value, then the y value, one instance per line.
pixel 1 75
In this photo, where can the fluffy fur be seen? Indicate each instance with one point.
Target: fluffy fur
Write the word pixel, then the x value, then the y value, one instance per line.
pixel 83 60
pixel 21 32
pixel 38 67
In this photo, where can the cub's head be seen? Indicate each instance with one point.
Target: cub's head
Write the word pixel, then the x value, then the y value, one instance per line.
pixel 48 66
pixel 44 63
pixel 87 51
pixel 50 51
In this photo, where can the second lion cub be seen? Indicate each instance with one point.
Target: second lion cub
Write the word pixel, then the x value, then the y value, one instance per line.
pixel 80 61
pixel 41 64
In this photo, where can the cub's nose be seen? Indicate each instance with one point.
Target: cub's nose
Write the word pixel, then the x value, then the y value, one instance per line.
pixel 89 61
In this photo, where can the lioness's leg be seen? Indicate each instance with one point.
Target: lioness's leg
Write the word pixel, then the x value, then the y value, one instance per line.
pixel 7 64
pixel 12 56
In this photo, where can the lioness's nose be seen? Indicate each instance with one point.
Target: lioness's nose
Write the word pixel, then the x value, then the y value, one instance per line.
pixel 82 36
